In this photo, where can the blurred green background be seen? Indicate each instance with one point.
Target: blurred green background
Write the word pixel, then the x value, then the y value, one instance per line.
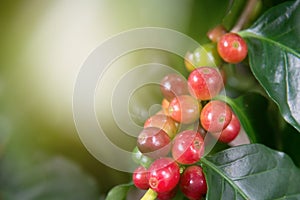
pixel 42 47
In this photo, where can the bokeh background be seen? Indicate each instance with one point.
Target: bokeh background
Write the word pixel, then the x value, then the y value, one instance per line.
pixel 42 47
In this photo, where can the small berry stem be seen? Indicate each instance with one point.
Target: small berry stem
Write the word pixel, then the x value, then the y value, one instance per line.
pixel 149 195
pixel 244 16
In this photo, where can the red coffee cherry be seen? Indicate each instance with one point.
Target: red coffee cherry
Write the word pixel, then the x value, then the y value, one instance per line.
pixel 215 116
pixel 193 183
pixel 173 85
pixel 230 132
pixel 163 122
pixel 154 142
pixel 140 178
pixel 164 175
pixel 232 48
pixel 188 147
pixel 216 33
pixel 184 109
pixel 167 195
pixel 205 83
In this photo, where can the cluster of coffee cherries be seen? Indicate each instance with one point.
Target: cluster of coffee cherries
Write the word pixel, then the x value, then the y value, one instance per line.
pixel 171 144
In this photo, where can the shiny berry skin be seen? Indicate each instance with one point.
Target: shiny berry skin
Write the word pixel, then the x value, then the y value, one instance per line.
pixel 163 122
pixel 230 132
pixel 188 147
pixel 215 116
pixel 167 195
pixel 184 109
pixel 154 142
pixel 205 83
pixel 164 175
pixel 193 183
pixel 173 85
pixel 232 48
pixel 205 55
pixel 140 178
pixel 216 33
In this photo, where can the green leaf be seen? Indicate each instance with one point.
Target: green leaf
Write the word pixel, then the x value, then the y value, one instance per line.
pixel 251 172
pixel 247 107
pixel 274 56
pixel 119 192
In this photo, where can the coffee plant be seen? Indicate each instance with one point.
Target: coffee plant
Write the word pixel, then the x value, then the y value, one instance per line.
pixel 204 144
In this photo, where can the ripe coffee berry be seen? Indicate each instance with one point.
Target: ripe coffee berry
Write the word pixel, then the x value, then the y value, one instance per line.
pixel 173 85
pixel 167 195
pixel 216 33
pixel 215 116
pixel 184 109
pixel 193 182
pixel 163 122
pixel 154 142
pixel 205 83
pixel 232 48
pixel 140 178
pixel 164 175
pixel 188 147
pixel 230 132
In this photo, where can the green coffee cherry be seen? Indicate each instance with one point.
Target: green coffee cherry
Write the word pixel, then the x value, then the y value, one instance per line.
pixel 205 55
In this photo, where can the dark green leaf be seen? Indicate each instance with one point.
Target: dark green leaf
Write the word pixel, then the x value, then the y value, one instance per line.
pixel 247 107
pixel 119 192
pixel 251 172
pixel 274 55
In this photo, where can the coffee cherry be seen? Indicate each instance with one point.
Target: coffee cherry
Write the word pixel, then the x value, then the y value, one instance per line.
pixel 232 48
pixel 173 85
pixel 154 142
pixel 215 116
pixel 230 132
pixel 189 61
pixel 184 109
pixel 216 33
pixel 163 122
pixel 140 178
pixel 167 195
pixel 206 55
pixel 165 106
pixel 193 183
pixel 188 147
pixel 164 175
pixel 205 83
